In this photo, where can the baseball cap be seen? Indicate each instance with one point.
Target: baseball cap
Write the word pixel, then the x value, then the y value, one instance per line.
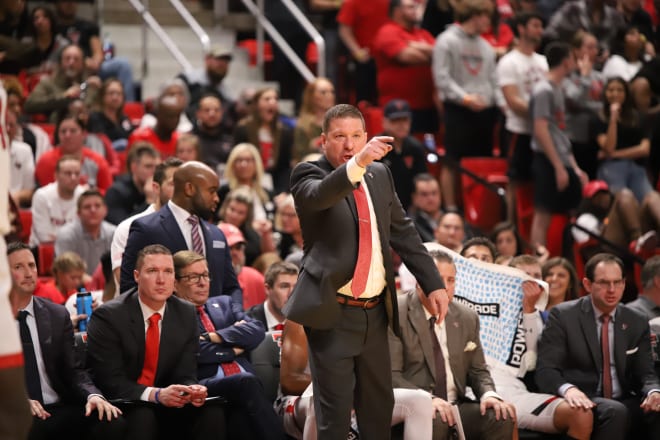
pixel 591 188
pixel 220 51
pixel 232 234
pixel 396 109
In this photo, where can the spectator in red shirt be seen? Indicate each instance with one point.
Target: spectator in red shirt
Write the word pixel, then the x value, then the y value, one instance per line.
pixel 359 22
pixel 94 172
pixel 403 51
pixel 163 136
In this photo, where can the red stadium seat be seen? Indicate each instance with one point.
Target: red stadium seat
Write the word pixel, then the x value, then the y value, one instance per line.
pixel 26 224
pixel 46 256
pixel 251 46
pixel 373 117
pixel 483 207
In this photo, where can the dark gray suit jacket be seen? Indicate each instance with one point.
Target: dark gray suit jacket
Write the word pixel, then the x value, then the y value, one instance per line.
pixel 326 208
pixel 115 351
pixel 413 363
pixel 569 350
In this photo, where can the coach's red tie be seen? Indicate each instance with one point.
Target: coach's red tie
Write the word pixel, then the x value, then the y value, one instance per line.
pixel 364 244
pixel 605 348
pixel 151 345
pixel 228 368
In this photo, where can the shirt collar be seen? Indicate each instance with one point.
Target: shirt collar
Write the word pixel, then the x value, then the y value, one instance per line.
pixel 271 321
pixel 148 311
pixel 179 213
pixel 598 313
pixel 30 307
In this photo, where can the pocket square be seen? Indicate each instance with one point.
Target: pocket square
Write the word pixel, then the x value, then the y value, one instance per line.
pixel 218 244
pixel 632 351
pixel 470 346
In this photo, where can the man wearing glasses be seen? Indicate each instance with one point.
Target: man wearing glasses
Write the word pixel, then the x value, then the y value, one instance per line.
pixel 596 353
pixel 227 335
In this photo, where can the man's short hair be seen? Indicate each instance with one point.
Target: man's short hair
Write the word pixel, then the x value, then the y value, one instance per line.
pixel 423 177
pixel 524 18
pixel 524 260
pixel 183 259
pixel 603 257
pixel 65 158
pixel 650 270
pixel 87 194
pixel 67 262
pixel 277 269
pixel 479 241
pixel 152 249
pixel 440 256
pixel 138 150
pixel 466 9
pixel 341 111
pixel 556 52
pixel 16 246
pixel 161 168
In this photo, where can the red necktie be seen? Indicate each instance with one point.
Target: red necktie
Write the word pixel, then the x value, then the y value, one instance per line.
pixel 206 321
pixel 364 244
pixel 605 348
pixel 228 368
pixel 279 327
pixel 151 343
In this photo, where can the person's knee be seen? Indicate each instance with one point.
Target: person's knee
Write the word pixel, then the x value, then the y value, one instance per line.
pixel 612 413
pixel 500 428
pixel 576 421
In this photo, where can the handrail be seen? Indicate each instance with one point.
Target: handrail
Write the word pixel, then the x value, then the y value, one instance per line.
pixel 161 34
pixel 279 40
pixel 194 25
pixel 313 33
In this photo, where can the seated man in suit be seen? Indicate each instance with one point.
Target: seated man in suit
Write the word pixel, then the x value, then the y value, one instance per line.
pixel 181 224
pixel 142 349
pixel 57 389
pixel 280 280
pixel 227 337
pixel 446 362
pixel 614 378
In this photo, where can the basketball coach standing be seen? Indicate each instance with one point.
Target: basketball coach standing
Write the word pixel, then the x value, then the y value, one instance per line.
pixel 345 295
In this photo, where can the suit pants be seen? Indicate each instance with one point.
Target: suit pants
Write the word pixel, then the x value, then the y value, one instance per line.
pixel 350 365
pixel 614 419
pixel 148 421
pixel 69 421
pixel 475 425
pixel 251 413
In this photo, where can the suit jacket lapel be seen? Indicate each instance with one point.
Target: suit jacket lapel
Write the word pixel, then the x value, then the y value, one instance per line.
pixel 421 325
pixel 588 324
pixel 137 328
pixel 172 228
pixel 45 330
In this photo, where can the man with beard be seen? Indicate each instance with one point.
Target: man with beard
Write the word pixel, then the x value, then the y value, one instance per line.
pixel 215 141
pixel 181 224
pixel 71 81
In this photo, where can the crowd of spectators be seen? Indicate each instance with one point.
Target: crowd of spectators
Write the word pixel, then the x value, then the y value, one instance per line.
pixel 566 92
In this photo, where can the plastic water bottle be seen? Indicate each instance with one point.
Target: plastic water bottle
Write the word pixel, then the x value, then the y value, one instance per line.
pixel 83 305
pixel 429 143
pixel 108 47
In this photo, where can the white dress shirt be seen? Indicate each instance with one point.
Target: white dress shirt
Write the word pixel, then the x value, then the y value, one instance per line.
pixel 146 314
pixel 181 216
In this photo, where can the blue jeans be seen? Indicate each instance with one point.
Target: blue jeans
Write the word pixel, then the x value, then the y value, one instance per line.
pixel 625 173
pixel 119 68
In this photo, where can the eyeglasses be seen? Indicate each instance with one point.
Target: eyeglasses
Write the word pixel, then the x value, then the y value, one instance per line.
pixel 195 278
pixel 615 284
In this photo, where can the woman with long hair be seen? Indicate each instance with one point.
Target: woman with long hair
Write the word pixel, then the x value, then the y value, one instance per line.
pixel 627 54
pixel 48 43
pixel 318 97
pixel 562 279
pixel 110 118
pixel 274 139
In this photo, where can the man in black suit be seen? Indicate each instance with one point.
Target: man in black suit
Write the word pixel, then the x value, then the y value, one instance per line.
pixel 227 337
pixel 345 295
pixel 280 278
pixel 142 349
pixel 614 379
pixel 181 224
pixel 57 389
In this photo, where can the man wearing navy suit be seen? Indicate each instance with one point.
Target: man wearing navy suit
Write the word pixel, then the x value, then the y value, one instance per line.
pixel 57 389
pixel 176 226
pixel 227 336
pixel 345 296
pixel 623 393
pixel 142 350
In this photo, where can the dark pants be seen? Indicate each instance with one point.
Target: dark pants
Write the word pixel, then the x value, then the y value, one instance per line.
pixel 476 426
pixel 249 407
pixel 69 421
pixel 147 421
pixel 350 366
pixel 624 419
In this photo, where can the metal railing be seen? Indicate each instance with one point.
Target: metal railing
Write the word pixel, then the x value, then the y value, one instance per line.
pixel 204 39
pixel 263 24
pixel 157 29
pixel 311 31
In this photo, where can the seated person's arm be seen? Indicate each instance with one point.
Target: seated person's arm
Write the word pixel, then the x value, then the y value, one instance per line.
pixel 294 377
